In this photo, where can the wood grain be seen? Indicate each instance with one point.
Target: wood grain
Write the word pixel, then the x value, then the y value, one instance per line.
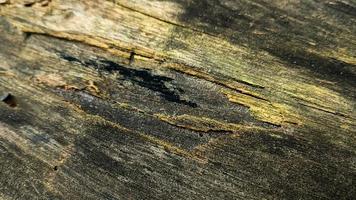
pixel 170 99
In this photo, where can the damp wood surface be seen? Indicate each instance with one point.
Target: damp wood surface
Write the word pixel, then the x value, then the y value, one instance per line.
pixel 177 99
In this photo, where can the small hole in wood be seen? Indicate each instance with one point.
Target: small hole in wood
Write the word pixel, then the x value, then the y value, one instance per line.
pixel 201 134
pixel 55 168
pixel 29 4
pixel 132 58
pixel 27 36
pixel 9 99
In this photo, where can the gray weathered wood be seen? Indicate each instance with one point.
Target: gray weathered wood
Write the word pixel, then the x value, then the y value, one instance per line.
pixel 167 99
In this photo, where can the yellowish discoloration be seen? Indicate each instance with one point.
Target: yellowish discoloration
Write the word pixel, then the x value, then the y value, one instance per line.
pixel 274 113
pixel 164 10
pixel 92 87
pixel 275 86
pixel 56 81
pixel 320 97
pixel 201 124
pixel 130 107
pixel 52 80
pixel 63 23
pixel 174 149
pixel 348 124
pixel 200 74
pixel 7 74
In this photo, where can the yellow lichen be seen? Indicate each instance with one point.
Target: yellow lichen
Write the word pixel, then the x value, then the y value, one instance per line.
pixel 202 124
pixel 320 98
pixel 200 74
pixel 274 113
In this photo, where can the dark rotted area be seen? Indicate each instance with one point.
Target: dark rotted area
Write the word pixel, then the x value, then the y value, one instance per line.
pixel 123 163
pixel 341 6
pixel 288 167
pixel 328 68
pixel 143 78
pixel 137 122
pixel 24 117
pixel 284 38
pixel 212 12
pixel 14 117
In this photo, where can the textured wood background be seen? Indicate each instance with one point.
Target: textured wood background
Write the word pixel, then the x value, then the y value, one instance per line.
pixel 177 99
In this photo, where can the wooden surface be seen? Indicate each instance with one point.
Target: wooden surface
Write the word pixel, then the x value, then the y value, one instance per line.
pixel 177 99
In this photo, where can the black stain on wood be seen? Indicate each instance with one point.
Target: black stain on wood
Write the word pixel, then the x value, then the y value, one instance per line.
pixel 143 78
pixel 302 164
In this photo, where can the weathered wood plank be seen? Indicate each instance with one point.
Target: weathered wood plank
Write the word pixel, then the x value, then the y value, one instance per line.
pixel 177 99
